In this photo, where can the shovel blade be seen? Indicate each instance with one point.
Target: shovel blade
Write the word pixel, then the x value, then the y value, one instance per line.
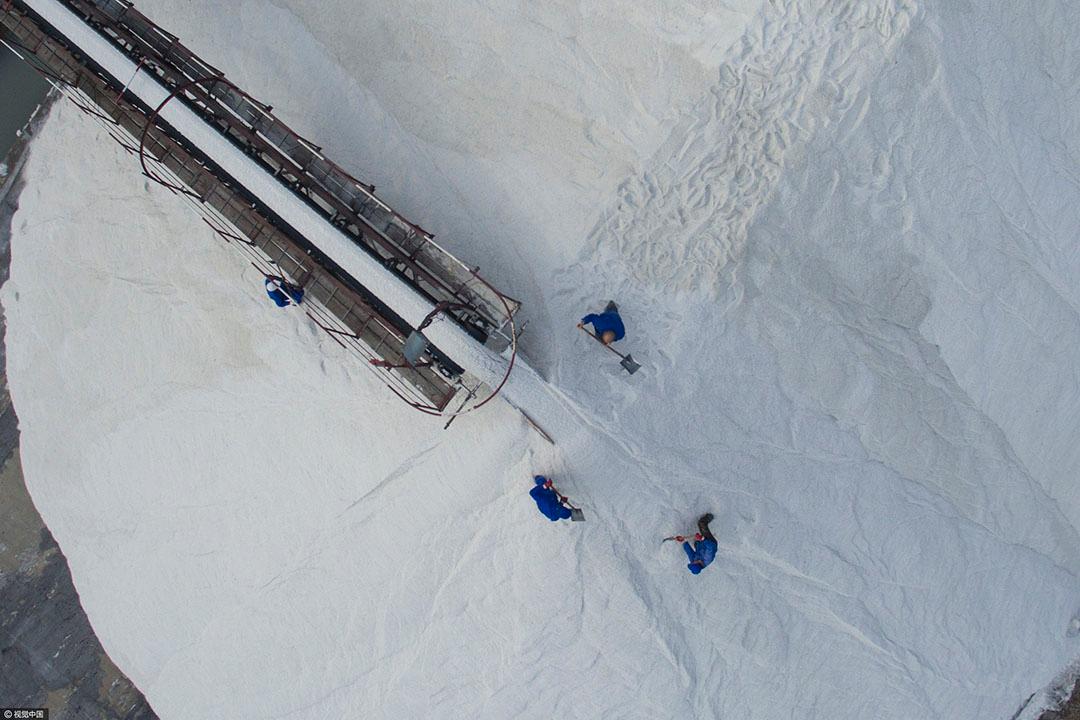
pixel 630 365
pixel 576 515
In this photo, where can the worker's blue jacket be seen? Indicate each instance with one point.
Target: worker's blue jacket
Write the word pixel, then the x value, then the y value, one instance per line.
pixel 277 290
pixel 701 556
pixel 548 501
pixel 605 321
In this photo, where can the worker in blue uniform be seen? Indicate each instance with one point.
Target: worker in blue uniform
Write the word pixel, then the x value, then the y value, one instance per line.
pixel 547 500
pixel 703 551
pixel 608 325
pixel 283 293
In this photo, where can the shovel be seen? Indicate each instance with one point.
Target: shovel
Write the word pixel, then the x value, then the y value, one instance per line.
pixel 629 364
pixel 576 513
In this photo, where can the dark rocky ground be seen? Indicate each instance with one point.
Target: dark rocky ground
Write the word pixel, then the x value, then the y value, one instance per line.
pixel 49 655
pixel 1069 711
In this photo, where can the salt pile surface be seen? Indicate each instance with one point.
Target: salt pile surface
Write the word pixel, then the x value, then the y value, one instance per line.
pixel 843 238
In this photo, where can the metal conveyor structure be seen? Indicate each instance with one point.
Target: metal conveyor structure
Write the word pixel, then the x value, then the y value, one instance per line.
pixel 342 292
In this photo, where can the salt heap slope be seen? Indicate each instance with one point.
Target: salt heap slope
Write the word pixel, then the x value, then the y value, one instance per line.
pixel 843 258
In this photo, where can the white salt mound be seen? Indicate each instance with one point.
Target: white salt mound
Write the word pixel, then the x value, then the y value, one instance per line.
pixel 843 243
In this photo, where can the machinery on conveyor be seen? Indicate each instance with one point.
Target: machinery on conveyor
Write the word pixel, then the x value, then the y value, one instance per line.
pixel 414 369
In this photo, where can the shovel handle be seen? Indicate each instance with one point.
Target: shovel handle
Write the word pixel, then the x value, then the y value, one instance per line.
pixel 562 498
pixel 593 336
